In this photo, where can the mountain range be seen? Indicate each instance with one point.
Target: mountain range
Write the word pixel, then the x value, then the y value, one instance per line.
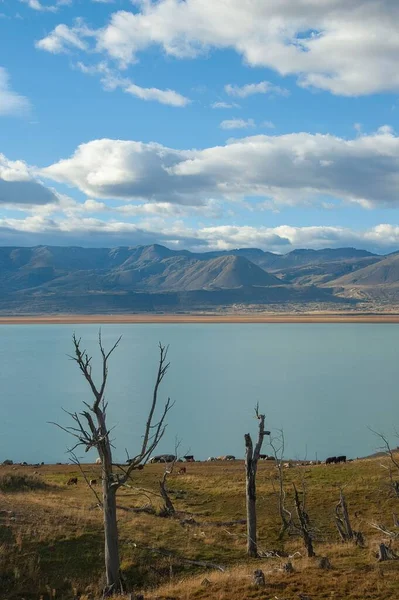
pixel 51 279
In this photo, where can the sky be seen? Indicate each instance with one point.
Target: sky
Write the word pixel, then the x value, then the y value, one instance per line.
pixel 200 124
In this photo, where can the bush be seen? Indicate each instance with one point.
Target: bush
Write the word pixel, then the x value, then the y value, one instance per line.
pixel 21 483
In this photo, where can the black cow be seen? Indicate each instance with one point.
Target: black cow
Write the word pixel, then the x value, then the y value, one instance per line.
pixel 341 459
pixel 331 460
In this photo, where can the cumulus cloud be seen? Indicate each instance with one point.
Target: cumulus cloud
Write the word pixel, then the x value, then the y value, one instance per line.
pixel 347 48
pixel 288 169
pixel 18 186
pixel 11 103
pixel 237 124
pixel 250 89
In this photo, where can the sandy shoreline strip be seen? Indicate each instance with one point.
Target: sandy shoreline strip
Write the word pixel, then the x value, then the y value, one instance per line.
pixel 177 318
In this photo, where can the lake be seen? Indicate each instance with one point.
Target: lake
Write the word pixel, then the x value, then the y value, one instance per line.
pixel 324 384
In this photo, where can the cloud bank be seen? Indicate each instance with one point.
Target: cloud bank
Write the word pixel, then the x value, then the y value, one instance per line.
pixel 289 169
pixel 346 48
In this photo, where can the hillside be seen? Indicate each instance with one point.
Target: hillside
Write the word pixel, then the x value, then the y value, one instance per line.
pixel 383 273
pixel 51 526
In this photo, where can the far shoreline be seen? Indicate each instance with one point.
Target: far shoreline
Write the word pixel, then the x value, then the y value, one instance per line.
pixel 146 318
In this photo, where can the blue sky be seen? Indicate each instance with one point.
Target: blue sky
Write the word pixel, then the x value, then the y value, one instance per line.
pixel 200 124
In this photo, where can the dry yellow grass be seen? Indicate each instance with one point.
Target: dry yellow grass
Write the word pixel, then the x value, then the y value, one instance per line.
pixel 53 545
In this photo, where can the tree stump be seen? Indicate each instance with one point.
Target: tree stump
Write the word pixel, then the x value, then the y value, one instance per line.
pixel 324 563
pixel 386 553
pixel 359 538
pixel 288 568
pixel 259 578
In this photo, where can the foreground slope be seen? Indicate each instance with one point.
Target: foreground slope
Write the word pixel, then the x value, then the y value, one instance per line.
pixel 52 542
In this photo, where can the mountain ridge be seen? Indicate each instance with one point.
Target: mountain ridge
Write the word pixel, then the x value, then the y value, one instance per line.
pixel 49 275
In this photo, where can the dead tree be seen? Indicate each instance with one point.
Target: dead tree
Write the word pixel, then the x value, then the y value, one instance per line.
pixel 393 466
pixel 342 520
pixel 91 431
pixel 168 509
pixel 343 523
pixel 278 445
pixel 251 467
pixel 304 527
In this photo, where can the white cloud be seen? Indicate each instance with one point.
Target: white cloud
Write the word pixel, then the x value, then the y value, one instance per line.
pixel 237 124
pixel 11 103
pixel 347 48
pixel 287 169
pixel 268 124
pixel 38 6
pixel 111 81
pixel 163 96
pixel 63 39
pixel 224 105
pixel 250 89
pixel 19 187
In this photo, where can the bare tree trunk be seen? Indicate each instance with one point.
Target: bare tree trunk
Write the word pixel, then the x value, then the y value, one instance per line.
pixel 304 525
pixel 278 445
pixel 342 520
pixel 252 547
pixel 251 467
pixel 168 508
pixel 112 563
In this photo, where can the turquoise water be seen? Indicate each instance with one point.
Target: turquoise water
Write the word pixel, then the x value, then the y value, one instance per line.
pixel 323 384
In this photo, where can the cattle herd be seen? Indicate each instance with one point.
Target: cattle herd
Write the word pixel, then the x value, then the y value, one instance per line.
pixel 171 458
pixel 333 460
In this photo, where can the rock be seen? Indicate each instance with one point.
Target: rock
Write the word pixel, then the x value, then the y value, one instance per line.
pixel 259 578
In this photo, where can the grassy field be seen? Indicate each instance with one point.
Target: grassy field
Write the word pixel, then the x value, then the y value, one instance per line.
pixel 51 540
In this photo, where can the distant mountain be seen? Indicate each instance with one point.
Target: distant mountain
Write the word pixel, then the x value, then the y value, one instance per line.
pixel 300 258
pixel 383 273
pixel 51 278
pixel 324 272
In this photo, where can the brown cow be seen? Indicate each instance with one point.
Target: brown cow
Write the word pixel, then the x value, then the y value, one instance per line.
pixel 72 481
pixel 182 471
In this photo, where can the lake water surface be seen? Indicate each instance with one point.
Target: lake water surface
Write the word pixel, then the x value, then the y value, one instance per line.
pixel 323 384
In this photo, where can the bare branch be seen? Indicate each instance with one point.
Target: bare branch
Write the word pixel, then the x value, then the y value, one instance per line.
pixel 76 461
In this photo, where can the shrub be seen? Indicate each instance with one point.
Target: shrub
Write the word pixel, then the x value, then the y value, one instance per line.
pixel 21 483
